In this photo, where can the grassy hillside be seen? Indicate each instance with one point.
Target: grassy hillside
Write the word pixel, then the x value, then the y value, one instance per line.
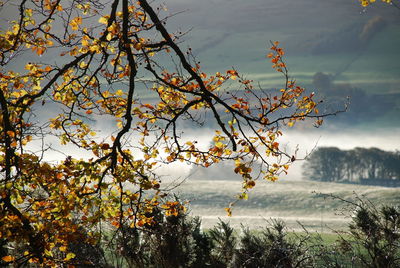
pixel 290 200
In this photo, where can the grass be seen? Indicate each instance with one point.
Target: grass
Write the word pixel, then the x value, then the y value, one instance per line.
pixel 291 201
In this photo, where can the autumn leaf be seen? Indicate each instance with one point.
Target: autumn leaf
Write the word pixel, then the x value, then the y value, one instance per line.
pixel 228 211
pixel 11 133
pixel 8 258
pixel 75 22
pixel 69 256
pixel 104 20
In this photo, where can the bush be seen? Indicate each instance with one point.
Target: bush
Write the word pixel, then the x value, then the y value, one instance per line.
pixel 174 241
pixel 224 244
pixel 272 248
pixel 373 239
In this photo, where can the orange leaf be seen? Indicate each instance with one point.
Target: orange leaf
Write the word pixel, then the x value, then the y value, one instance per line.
pixel 148 106
pixel 275 145
pixel 8 258
pixel 11 133
pixel 115 223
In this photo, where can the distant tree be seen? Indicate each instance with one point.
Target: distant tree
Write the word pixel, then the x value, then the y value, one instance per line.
pixel 372 27
pixel 333 164
pixel 322 81
pixel 325 164
pixel 392 165
pixel 362 106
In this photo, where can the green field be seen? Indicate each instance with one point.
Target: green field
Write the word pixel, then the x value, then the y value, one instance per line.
pixel 290 201
pixel 375 68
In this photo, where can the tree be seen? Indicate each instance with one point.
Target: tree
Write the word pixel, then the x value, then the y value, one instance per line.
pixel 88 62
pixel 366 3
pixel 325 164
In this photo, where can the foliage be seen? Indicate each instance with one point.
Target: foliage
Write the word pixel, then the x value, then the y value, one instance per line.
pixel 366 3
pixel 224 244
pixel 173 241
pixel 178 242
pixel 272 248
pixel 372 240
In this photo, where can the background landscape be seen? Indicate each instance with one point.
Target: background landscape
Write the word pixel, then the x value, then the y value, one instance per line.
pixel 356 49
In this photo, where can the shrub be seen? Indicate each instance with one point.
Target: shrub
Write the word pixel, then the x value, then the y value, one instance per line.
pixel 272 248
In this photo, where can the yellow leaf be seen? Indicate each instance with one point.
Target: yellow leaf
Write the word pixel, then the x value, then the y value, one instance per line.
pixel 109 36
pixel 48 253
pixel 83 65
pixel 75 22
pixel 103 20
pixel 19 199
pixel 219 145
pixel 244 196
pixel 228 211
pixel 69 256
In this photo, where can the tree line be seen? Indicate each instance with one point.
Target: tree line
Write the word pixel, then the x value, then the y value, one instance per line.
pixel 359 165
pixel 364 106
